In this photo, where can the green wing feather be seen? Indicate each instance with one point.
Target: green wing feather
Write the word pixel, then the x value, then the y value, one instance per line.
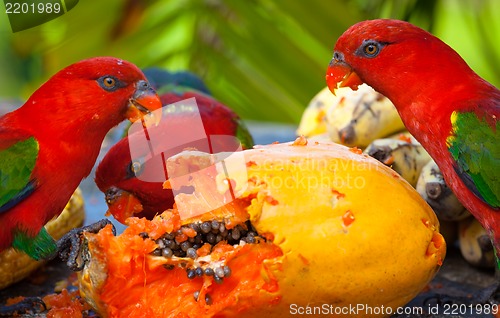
pixel 16 166
pixel 475 146
pixel 40 247
pixel 16 183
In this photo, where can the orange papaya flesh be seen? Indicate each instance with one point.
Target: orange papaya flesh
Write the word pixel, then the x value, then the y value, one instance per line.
pixel 131 262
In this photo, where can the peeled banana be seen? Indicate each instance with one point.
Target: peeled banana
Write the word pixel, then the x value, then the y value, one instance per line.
pixel 352 118
pixel 433 189
pixel 15 265
pixel 475 244
pixel 405 156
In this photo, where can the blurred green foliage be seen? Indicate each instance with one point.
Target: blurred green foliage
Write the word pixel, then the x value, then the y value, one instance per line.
pixel 265 59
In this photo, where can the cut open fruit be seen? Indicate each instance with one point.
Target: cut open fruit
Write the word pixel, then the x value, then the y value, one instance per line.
pixel 303 224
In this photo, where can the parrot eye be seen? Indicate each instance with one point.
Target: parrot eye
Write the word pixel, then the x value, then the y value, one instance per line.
pixel 369 49
pixel 109 83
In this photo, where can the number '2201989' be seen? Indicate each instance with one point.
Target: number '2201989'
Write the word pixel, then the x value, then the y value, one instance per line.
pixel 25 8
pixel 474 309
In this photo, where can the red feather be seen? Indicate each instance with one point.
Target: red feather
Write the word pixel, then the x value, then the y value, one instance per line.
pixel 69 116
pixel 427 81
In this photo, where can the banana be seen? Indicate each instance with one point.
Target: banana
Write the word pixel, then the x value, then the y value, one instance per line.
pixel 475 244
pixel 352 118
pixel 313 121
pixel 15 265
pixel 406 157
pixel 433 189
pixel 361 116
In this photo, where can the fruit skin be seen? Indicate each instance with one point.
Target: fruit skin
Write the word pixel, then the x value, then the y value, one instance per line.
pixel 406 157
pixel 351 118
pixel 362 116
pixel 475 245
pixel 341 220
pixel 435 191
pixel 15 265
pixel 346 183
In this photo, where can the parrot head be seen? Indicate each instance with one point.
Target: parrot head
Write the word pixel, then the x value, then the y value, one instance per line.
pixel 100 92
pixel 132 186
pixel 366 51
pixel 124 181
pixel 396 58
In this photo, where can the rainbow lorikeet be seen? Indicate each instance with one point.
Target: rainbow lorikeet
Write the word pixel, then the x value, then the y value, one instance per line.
pixel 444 104
pixel 49 144
pixel 123 180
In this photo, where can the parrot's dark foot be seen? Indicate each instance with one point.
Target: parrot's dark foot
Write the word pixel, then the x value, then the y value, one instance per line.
pixel 29 305
pixel 70 245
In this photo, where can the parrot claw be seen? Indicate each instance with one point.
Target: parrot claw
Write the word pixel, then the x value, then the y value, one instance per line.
pixel 70 245
pixel 29 305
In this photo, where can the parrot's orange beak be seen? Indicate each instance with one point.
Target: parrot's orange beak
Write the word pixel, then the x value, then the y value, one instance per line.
pixel 122 204
pixel 340 74
pixel 143 102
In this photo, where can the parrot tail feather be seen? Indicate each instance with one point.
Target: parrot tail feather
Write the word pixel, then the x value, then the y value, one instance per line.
pixel 40 247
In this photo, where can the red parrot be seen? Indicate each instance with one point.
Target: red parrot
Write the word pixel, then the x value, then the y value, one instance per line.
pixel 49 144
pixel 117 175
pixel 447 107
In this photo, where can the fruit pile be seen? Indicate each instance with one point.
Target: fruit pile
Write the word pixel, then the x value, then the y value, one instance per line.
pixel 366 119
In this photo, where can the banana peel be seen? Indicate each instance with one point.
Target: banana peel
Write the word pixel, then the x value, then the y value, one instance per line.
pixel 405 156
pixel 435 191
pixel 475 244
pixel 351 118
pixel 362 116
pixel 16 265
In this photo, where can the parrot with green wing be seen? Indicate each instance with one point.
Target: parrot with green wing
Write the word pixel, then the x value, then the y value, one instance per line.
pixel 49 144
pixel 445 105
